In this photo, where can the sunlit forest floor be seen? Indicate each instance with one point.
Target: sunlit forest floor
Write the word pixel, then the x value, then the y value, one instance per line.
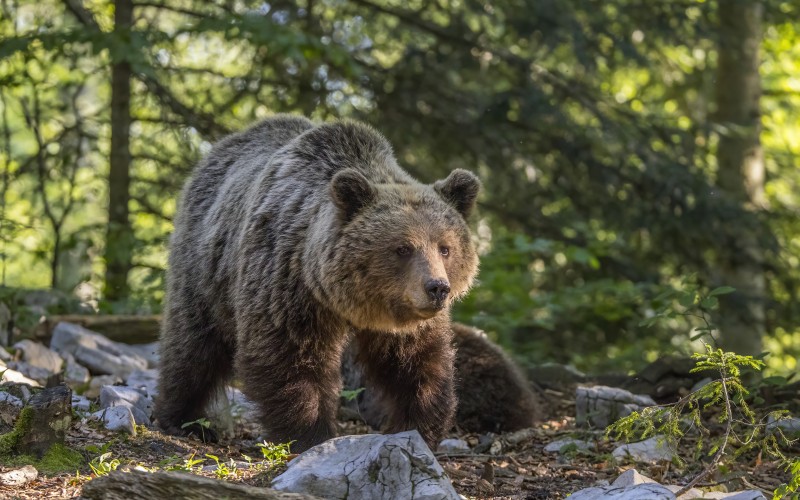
pixel 519 470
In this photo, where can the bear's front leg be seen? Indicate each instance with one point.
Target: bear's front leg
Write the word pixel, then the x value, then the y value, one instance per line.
pixel 296 387
pixel 412 375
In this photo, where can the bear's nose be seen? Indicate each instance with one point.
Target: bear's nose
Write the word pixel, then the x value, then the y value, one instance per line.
pixel 437 290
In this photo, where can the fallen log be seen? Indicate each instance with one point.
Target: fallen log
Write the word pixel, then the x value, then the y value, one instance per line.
pixel 132 485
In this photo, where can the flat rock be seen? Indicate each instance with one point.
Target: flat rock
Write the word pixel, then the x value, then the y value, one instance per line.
pixel 141 406
pixel 38 355
pixel 600 406
pixel 116 418
pixel 96 352
pixel 144 381
pixel 19 477
pixel 11 375
pixel 147 351
pixel 397 466
pixel 578 444
pixel 648 491
pixel 654 449
pixel 30 371
pixel 453 446
pixel 98 382
pixel 81 403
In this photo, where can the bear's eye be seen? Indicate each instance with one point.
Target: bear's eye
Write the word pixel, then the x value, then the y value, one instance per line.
pixel 404 250
pixel 445 251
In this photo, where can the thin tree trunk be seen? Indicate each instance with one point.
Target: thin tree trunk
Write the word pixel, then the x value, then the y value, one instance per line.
pixel 119 235
pixel 741 169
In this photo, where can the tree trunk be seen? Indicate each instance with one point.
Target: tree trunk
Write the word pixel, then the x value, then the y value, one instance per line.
pixel 119 234
pixel 741 169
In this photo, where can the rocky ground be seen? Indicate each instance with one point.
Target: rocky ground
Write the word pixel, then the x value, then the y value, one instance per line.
pixel 110 430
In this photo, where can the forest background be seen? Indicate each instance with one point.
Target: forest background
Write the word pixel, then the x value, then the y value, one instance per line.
pixel 628 148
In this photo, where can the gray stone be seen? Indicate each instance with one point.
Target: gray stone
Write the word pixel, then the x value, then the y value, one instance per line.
pixel 19 477
pixel 36 354
pixel 11 375
pixel 36 373
pixel 144 381
pixel 116 418
pixel 600 406
pixel 398 466
pixel 75 374
pixel 97 383
pixel 654 449
pixel 579 444
pixel 789 425
pixel 96 352
pixel 735 495
pixel 80 403
pixel 453 446
pixel 140 405
pixel 649 491
pixel 148 352
pixel 10 406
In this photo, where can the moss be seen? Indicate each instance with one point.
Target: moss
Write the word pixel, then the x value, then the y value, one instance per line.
pixel 9 440
pixel 61 458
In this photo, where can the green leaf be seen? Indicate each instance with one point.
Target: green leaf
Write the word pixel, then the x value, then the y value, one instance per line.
pixel 722 290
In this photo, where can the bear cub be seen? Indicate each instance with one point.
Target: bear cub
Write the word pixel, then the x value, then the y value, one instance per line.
pixel 293 238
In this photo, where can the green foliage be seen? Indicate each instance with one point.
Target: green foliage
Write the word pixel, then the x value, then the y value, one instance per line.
pixel 350 395
pixel 103 464
pixel 202 422
pixel 726 397
pixel 175 463
pixel 275 454
pixel 224 470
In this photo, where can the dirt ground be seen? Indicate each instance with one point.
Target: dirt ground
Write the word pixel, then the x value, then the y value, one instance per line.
pixel 514 466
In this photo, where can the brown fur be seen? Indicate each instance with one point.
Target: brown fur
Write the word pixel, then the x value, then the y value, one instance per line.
pixel 289 237
pixel 492 393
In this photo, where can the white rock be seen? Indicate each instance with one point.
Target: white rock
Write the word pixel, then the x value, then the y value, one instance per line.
pixel 144 381
pixel 80 403
pixel 19 477
pixel 116 418
pixel 453 446
pixel 140 405
pixel 649 450
pixel 398 466
pixel 36 354
pixel 32 372
pixel 556 446
pixel 11 375
pixel 600 406
pixel 734 495
pixel 648 491
pixel 98 382
pixel 96 352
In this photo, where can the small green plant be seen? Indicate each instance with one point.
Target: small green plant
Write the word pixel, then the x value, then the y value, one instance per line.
pixel 275 454
pixel 223 470
pixel 175 463
pixel 726 396
pixel 202 422
pixel 351 394
pixel 102 465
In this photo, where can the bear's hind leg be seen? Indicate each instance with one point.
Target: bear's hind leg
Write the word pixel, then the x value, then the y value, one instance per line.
pixel 194 361
pixel 413 378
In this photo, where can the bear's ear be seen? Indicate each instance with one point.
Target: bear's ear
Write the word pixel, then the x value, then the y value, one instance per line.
pixel 351 192
pixel 460 189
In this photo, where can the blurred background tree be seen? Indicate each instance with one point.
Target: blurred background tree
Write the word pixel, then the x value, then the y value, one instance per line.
pixel 624 146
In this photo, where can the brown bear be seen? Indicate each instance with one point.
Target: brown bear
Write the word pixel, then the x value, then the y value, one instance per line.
pixel 290 239
pixel 493 395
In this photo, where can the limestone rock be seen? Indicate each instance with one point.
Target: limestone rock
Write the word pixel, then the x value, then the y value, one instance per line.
pixel 97 383
pixel 96 352
pixel 600 406
pixel 144 381
pixel 116 418
pixel 398 466
pixel 19 477
pixel 11 375
pixel 141 407
pixel 648 491
pixel 75 374
pixel 36 354
pixel 453 446
pixel 654 449
pixel 578 444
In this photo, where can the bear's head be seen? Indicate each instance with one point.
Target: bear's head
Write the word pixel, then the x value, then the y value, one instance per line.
pixel 404 251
